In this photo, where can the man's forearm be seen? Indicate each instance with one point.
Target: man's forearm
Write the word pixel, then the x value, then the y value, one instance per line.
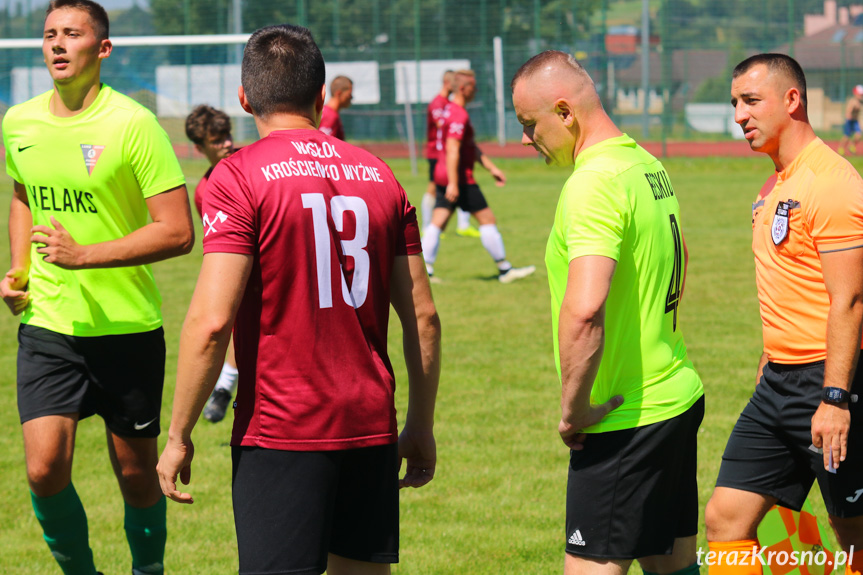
pixel 422 359
pixel 170 234
pixel 152 243
pixel 20 222
pixel 844 323
pixel 202 350
pixel 581 342
pixel 452 159
pixel 762 361
pixel 486 162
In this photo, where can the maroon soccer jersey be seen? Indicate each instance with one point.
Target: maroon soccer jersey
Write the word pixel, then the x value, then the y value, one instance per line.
pixel 456 124
pixel 324 221
pixel 201 191
pixel 433 114
pixel 331 123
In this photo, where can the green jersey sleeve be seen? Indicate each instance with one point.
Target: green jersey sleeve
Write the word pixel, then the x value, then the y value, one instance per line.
pixel 152 156
pixel 593 216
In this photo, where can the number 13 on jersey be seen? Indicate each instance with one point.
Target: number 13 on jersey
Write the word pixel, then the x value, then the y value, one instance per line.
pixel 355 247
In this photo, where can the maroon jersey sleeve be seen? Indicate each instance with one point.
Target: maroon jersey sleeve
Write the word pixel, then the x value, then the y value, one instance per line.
pixel 201 191
pixel 433 115
pixel 229 212
pixel 331 123
pixel 456 123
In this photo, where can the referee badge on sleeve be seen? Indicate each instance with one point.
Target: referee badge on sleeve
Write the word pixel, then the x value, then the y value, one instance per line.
pixel 779 229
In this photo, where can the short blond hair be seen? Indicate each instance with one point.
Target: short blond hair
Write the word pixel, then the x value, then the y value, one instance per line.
pixel 461 77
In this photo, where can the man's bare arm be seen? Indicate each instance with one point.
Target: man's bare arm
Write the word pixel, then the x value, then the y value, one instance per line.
pixel 203 342
pixel 170 234
pixel 581 337
pixel 453 156
pixel 485 162
pixel 843 278
pixel 412 299
pixel 13 286
pixel 762 361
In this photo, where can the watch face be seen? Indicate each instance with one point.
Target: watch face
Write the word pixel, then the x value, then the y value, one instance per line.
pixel 835 395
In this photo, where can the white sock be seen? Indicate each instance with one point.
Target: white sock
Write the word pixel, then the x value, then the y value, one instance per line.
pixel 492 241
pixel 463 219
pixel 430 243
pixel 228 379
pixel 427 208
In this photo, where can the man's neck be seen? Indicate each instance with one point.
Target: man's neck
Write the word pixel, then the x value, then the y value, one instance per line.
pixel 791 143
pixel 334 104
pixel 459 99
pixel 596 128
pixel 444 93
pixel 71 100
pixel 275 122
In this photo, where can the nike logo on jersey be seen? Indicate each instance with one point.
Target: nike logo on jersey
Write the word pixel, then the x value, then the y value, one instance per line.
pixel 22 148
pixel 140 426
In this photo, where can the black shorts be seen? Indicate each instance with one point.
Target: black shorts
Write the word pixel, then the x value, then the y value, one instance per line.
pixel 291 508
pixel 632 492
pixel 432 164
pixel 470 199
pixel 119 377
pixel 770 449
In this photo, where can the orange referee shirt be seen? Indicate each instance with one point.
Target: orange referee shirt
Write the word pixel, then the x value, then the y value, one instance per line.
pixel 815 207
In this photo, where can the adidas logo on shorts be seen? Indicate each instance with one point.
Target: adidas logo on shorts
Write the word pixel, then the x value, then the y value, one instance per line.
pixel 575 539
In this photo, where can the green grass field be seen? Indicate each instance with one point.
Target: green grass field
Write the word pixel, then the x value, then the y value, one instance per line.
pixel 496 503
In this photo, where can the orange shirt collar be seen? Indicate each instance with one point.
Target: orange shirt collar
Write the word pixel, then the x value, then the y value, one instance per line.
pixel 800 160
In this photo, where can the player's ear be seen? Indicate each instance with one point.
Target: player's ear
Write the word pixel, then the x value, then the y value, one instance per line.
pixel 244 102
pixel 105 48
pixel 564 111
pixel 319 101
pixel 793 101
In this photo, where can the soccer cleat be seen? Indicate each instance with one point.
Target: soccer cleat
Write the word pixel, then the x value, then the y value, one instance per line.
pixel 468 232
pixel 841 151
pixel 852 148
pixel 513 274
pixel 217 405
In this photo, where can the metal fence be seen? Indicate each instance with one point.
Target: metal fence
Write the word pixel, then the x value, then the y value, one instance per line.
pixel 661 66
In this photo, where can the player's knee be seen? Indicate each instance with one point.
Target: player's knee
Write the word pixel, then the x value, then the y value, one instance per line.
pixel 47 477
pixel 849 531
pixel 136 478
pixel 717 516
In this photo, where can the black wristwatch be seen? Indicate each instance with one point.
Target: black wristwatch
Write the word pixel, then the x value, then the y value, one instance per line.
pixel 835 395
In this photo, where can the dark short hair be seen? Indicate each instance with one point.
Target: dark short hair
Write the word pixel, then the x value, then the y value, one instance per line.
pixel 94 10
pixel 777 63
pixel 205 122
pixel 340 83
pixel 283 70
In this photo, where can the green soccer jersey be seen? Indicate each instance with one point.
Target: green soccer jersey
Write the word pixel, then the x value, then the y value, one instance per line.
pixel 619 203
pixel 92 173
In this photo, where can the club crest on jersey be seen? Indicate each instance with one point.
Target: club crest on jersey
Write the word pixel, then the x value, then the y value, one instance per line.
pixel 211 223
pixel 91 156
pixel 779 229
